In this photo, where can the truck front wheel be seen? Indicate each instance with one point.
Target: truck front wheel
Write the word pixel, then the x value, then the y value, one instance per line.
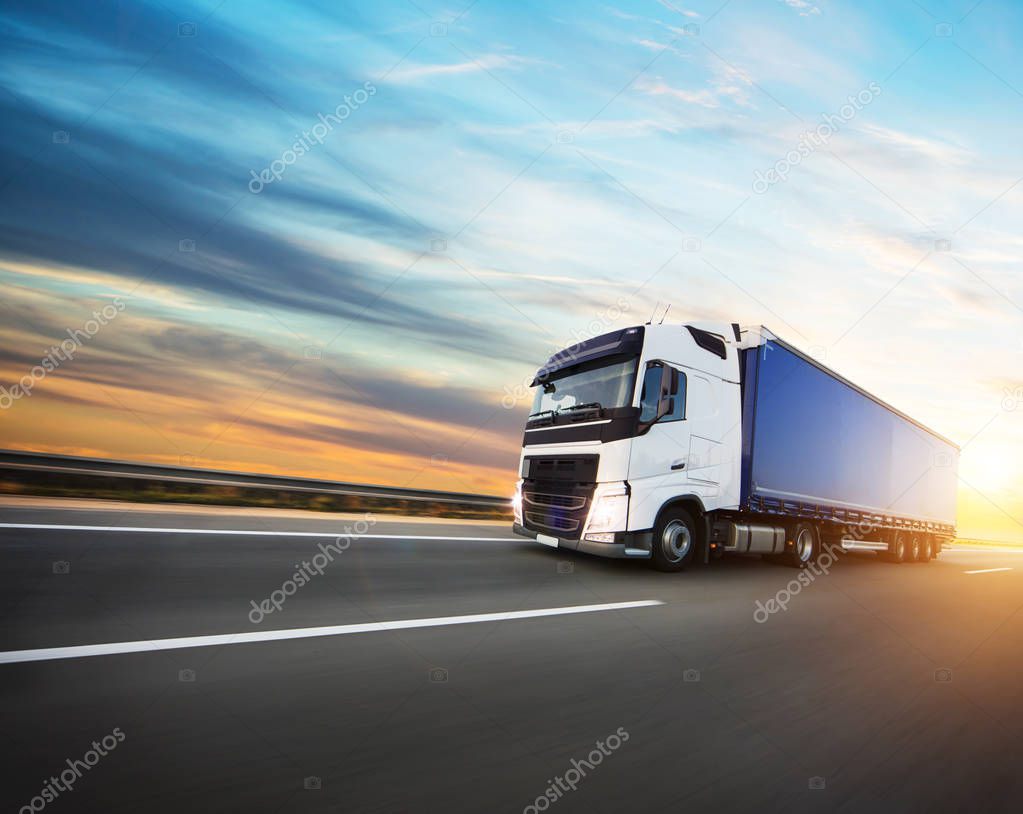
pixel 675 540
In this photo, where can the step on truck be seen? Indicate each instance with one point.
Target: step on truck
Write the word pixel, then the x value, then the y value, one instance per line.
pixel 679 443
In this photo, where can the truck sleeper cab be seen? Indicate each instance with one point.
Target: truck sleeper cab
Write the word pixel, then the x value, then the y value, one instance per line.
pixel 674 442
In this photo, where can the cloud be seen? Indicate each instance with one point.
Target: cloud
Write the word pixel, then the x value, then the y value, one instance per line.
pixel 487 62
pixel 197 383
pixel 125 205
pixel 658 87
pixel 804 7
pixel 684 12
pixel 726 85
pixel 902 146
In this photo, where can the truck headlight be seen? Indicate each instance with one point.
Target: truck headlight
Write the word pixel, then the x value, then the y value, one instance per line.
pixel 610 509
pixel 517 503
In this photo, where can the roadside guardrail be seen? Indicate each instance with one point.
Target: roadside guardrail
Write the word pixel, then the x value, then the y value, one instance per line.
pixel 32 473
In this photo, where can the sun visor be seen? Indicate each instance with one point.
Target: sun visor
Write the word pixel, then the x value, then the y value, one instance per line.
pixel 627 342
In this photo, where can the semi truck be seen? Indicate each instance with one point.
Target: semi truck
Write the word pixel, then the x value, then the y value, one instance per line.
pixel 680 443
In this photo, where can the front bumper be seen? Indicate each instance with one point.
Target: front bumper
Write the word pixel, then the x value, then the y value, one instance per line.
pixel 632 545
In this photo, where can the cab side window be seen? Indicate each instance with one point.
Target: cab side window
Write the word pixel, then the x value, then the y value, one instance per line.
pixel 678 411
pixel 653 382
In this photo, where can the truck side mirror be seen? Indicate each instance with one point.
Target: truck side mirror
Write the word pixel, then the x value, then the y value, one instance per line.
pixel 651 395
pixel 669 387
pixel 660 384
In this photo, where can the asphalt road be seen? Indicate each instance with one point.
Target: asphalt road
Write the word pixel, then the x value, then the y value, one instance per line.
pixel 881 688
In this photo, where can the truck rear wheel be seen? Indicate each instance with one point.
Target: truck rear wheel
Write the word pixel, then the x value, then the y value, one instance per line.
pixel 675 540
pixel 806 544
pixel 915 550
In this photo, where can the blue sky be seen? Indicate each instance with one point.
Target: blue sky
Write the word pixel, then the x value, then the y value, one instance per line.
pixel 521 174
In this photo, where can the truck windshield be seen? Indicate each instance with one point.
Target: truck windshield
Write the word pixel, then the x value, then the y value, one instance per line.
pixel 607 386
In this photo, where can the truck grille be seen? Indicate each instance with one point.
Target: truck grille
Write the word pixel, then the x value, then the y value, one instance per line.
pixel 576 469
pixel 552 521
pixel 555 501
pixel 556 494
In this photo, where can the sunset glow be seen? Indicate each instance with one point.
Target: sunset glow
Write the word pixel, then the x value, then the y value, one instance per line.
pixel 373 314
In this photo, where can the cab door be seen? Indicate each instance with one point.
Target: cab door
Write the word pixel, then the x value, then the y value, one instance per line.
pixel 661 450
pixel 703 417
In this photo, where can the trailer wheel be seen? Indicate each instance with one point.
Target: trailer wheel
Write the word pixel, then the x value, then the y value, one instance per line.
pixel 675 540
pixel 915 550
pixel 926 548
pixel 806 544
pixel 897 547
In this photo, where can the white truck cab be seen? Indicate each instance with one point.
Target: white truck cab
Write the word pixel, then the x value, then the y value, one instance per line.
pixel 624 424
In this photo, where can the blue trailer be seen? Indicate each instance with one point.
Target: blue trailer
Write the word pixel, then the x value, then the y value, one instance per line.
pixel 816 445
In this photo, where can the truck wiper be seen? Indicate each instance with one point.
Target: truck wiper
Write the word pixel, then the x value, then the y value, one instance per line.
pixel 541 413
pixel 590 405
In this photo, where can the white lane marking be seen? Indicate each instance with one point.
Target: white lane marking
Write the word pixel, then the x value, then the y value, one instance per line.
pixel 850 545
pixel 80 651
pixel 987 570
pixel 253 533
pixel 982 551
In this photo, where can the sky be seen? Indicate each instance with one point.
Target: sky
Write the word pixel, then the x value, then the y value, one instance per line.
pixel 336 239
